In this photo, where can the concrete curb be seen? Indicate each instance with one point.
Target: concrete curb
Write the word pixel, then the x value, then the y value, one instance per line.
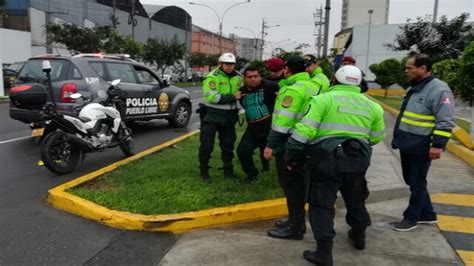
pixel 460 151
pixel 180 222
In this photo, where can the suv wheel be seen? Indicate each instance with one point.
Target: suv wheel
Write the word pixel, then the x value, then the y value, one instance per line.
pixel 181 115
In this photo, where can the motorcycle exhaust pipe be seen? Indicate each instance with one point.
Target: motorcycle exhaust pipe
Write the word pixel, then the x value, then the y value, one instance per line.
pixel 85 147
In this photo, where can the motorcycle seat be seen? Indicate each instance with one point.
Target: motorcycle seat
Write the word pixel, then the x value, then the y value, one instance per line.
pixel 84 119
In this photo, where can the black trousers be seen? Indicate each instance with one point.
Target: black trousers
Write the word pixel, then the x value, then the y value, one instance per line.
pixel 415 169
pixel 227 137
pixel 326 180
pixel 248 143
pixel 293 185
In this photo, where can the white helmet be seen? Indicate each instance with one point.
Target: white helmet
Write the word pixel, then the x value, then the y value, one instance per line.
pixel 349 75
pixel 227 58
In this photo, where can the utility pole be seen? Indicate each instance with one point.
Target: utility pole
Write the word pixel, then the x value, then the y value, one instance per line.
pixel 326 27
pixel 49 47
pixel 132 20
pixel 435 12
pixel 262 43
pixel 114 18
pixel 318 27
pixel 370 11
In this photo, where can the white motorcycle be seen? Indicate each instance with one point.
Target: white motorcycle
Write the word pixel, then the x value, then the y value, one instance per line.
pixel 97 127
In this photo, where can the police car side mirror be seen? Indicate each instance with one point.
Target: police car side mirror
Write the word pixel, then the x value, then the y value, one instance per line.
pixel 164 83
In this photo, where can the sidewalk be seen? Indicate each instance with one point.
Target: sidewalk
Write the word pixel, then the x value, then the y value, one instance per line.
pixel 248 244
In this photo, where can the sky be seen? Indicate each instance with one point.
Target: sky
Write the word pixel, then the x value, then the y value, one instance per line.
pixel 295 17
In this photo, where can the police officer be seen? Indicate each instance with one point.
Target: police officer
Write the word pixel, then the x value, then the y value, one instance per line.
pixel 219 113
pixel 421 132
pixel 316 73
pixel 337 131
pixel 290 104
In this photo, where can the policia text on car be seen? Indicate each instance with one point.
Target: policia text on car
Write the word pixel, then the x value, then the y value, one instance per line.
pixel 337 132
pixel 219 113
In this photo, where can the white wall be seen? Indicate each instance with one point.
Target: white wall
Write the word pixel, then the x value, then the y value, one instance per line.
pixel 380 35
pixel 16 45
pixel 358 12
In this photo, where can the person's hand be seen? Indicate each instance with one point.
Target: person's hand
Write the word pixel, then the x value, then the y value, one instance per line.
pixel 267 153
pixel 238 95
pixel 435 153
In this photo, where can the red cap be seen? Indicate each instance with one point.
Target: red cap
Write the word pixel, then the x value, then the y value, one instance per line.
pixel 275 64
pixel 349 59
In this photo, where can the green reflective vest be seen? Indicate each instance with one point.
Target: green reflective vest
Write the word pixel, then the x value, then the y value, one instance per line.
pixel 342 112
pixel 320 79
pixel 218 97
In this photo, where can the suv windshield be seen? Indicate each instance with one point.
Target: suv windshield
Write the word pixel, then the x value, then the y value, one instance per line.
pixel 33 71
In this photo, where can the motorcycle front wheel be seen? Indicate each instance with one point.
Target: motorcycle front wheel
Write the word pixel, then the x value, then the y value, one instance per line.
pixel 127 146
pixel 59 155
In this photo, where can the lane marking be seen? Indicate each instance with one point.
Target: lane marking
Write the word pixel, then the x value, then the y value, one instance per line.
pixel 12 140
pixel 456 224
pixel 453 199
pixel 466 256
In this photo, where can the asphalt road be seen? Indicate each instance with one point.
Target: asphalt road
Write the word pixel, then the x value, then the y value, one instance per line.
pixel 33 233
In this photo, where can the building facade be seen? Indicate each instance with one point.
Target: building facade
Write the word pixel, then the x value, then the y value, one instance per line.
pixel 353 42
pixel 356 12
pixel 209 43
pixel 249 48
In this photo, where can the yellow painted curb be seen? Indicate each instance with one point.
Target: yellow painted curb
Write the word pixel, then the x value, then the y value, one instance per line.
pixel 180 222
pixel 390 92
pixel 460 151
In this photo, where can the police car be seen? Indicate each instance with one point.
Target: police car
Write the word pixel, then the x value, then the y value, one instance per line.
pixel 148 97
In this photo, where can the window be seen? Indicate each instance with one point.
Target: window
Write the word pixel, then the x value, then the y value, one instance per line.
pixel 33 70
pixel 124 72
pixel 99 69
pixel 75 74
pixel 145 77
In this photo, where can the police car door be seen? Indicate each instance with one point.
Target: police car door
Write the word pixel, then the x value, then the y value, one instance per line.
pixel 154 87
pixel 135 105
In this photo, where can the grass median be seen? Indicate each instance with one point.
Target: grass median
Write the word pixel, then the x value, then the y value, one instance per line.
pixel 168 182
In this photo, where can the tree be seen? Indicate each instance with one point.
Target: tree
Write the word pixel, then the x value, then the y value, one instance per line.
pixel 198 60
pixel 283 54
pixel 162 53
pixel 385 73
pixel 466 90
pixel 89 40
pixel 212 61
pixel 441 40
pixel 448 71
pixel 2 8
pixel 240 63
pixel 84 40
pixel 326 65
pixel 123 45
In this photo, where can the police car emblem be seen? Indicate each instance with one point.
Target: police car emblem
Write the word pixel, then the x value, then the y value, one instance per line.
pixel 287 101
pixel 163 102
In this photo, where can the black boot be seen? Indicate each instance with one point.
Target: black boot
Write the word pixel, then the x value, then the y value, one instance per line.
pixel 357 235
pixel 322 256
pixel 290 231
pixel 229 173
pixel 205 174
pixel 281 223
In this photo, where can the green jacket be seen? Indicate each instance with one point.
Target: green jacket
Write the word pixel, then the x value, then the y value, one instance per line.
pixel 218 97
pixel 290 104
pixel 342 112
pixel 320 79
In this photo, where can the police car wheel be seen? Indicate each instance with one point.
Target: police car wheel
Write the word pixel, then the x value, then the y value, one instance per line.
pixel 181 115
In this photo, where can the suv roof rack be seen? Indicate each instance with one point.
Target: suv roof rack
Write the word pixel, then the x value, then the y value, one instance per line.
pixel 48 55
pixel 107 56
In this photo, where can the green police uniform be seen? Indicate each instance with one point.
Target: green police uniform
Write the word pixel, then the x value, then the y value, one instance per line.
pixel 320 79
pixel 289 109
pixel 336 132
pixel 218 113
